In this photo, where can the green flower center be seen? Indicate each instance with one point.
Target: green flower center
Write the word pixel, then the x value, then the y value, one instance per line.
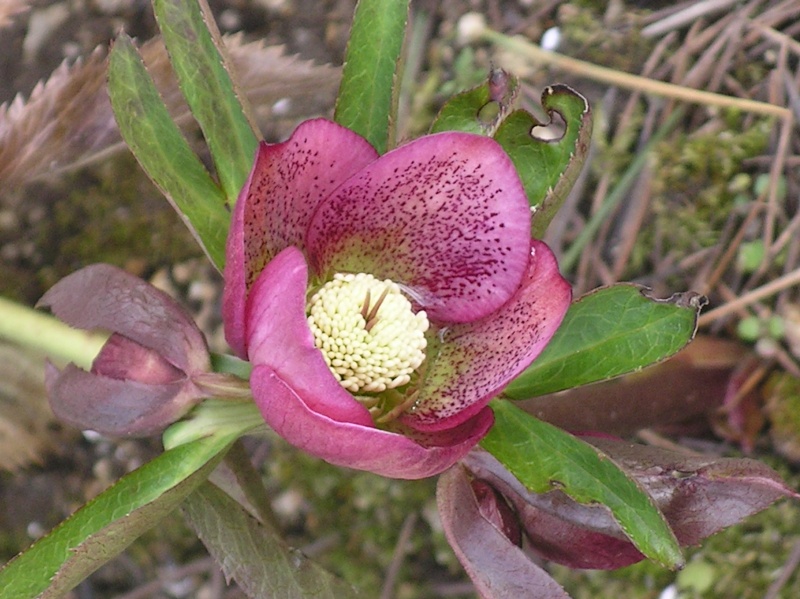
pixel 368 333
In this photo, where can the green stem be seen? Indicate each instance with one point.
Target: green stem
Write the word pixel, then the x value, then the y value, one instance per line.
pixel 213 417
pixel 31 328
pixel 250 482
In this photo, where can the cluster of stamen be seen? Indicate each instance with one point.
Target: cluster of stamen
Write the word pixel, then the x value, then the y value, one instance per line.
pixel 371 338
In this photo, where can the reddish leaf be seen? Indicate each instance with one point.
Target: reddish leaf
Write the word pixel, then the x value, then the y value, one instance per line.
pixel 497 567
pixel 698 495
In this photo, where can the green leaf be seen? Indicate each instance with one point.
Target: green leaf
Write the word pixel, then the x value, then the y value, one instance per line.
pixel 548 169
pixel 101 529
pixel 192 40
pixel 254 554
pixel 367 101
pixel 607 333
pixel 467 111
pixel 461 112
pixel 163 152
pixel 545 458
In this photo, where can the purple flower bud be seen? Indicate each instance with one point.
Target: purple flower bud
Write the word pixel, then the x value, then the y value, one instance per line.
pixel 141 381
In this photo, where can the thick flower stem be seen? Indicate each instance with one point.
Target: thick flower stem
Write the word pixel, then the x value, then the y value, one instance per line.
pixel 34 329
pixel 212 417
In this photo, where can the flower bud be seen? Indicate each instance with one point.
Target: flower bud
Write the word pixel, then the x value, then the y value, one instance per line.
pixel 142 379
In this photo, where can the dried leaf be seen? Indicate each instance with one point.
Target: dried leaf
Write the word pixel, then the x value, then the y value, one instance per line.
pixel 67 121
pixel 10 9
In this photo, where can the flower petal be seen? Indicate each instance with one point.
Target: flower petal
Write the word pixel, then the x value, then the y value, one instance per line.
pixel 118 408
pixel 278 336
pixel 123 359
pixel 353 445
pixel 275 206
pixel 477 360
pixel 101 296
pixel 446 215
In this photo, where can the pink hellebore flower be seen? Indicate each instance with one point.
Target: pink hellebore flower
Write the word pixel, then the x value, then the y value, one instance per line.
pixel 383 301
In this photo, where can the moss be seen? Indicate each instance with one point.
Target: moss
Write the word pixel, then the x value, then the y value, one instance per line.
pixel 587 35
pixel 362 514
pixel 115 215
pixel 695 187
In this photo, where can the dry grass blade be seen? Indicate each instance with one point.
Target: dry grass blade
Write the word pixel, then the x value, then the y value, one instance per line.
pixel 686 16
pixel 25 417
pixel 67 121
pixel 10 9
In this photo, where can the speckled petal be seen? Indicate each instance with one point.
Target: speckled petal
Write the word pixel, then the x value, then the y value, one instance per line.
pixel 279 337
pixel 446 215
pixel 356 446
pixel 478 360
pixel 275 206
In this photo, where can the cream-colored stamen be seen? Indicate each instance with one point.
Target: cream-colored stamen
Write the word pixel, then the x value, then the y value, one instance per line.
pixel 369 347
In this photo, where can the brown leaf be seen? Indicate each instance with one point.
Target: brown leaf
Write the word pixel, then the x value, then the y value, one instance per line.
pixel 689 385
pixel 67 121
pixel 698 496
pixel 10 9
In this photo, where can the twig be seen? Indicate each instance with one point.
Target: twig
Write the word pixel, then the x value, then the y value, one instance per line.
pixel 733 247
pixel 618 193
pixel 686 16
pixel 786 572
pixel 771 288
pixel 634 82
pixel 400 551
